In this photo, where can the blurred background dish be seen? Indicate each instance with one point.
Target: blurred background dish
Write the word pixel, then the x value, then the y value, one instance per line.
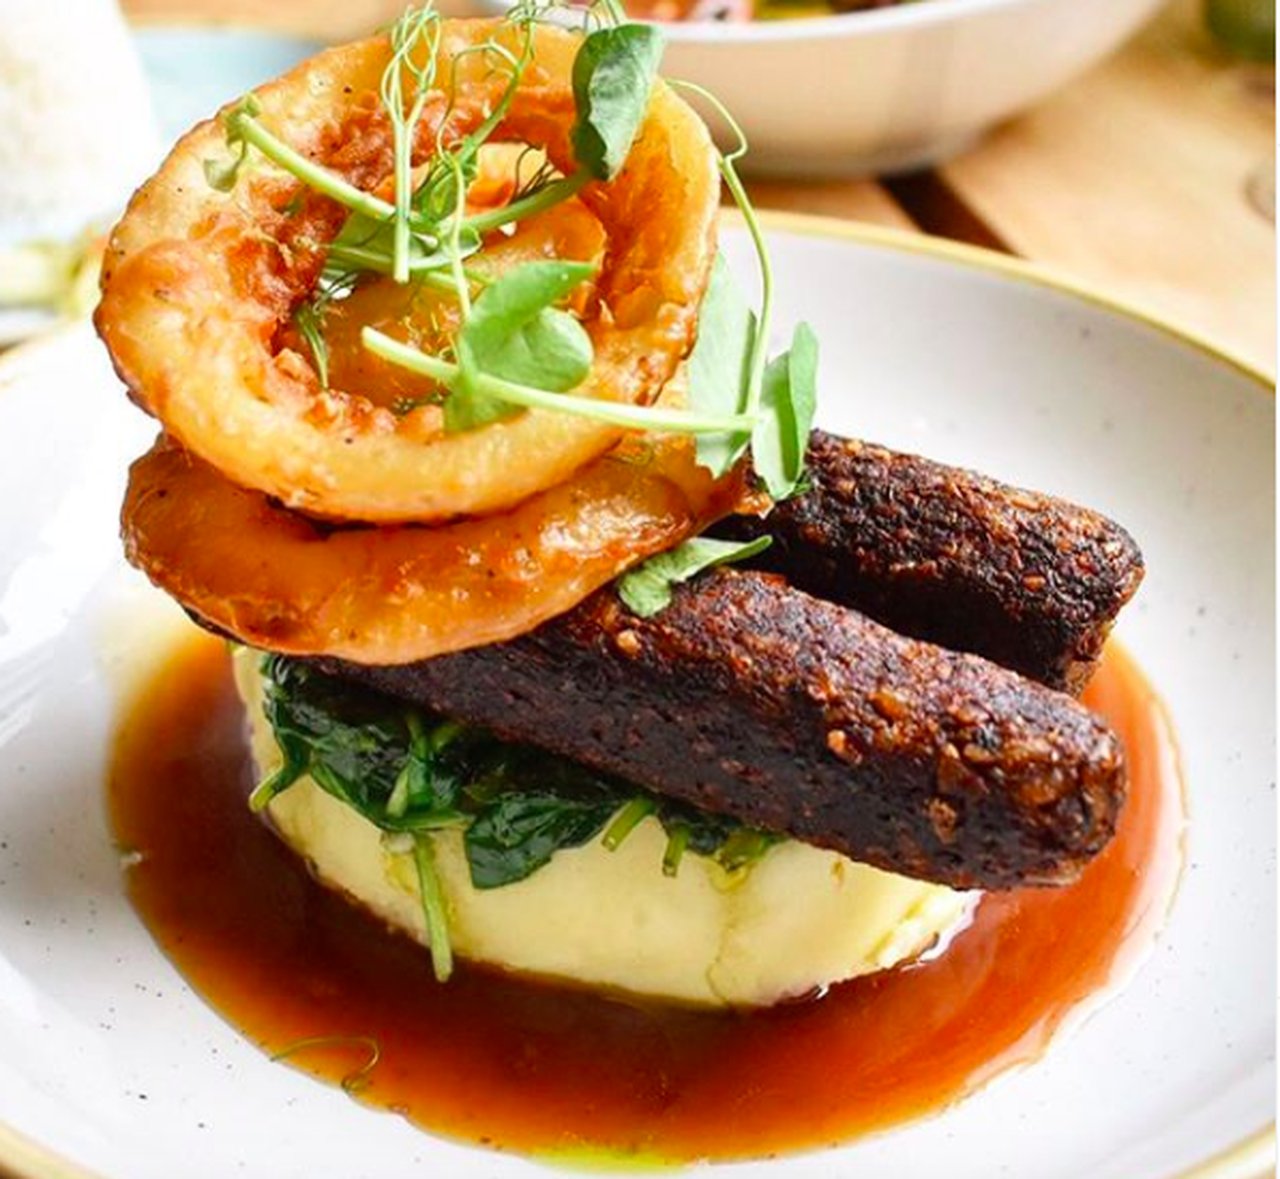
pixel 76 125
pixel 66 74
pixel 76 134
pixel 892 88
pixel 194 69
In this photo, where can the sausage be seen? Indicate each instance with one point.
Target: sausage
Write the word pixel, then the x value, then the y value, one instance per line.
pixel 939 553
pixel 749 698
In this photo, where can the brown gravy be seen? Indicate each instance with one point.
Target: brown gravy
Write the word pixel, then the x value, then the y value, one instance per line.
pixel 529 1067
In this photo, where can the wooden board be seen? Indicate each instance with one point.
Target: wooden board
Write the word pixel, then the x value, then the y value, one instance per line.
pixel 1137 178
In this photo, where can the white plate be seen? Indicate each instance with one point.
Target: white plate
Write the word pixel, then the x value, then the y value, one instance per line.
pixel 107 1059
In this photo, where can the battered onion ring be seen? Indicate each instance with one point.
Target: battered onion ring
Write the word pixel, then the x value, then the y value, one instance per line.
pixel 382 595
pixel 198 283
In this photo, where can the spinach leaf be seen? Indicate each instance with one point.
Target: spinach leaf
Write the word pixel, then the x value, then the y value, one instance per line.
pixel 362 749
pixel 517 833
pixel 689 829
pixel 743 846
pixel 788 400
pixel 410 772
pixel 706 832
pixel 718 837
pixel 647 588
pixel 514 333
pixel 613 73
pixel 353 750
pixel 718 367
pixel 434 908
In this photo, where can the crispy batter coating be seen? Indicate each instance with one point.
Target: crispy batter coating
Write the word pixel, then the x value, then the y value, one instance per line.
pixel 279 580
pixel 198 286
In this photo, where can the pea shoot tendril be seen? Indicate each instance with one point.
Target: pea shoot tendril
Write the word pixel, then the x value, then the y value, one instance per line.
pixel 738 399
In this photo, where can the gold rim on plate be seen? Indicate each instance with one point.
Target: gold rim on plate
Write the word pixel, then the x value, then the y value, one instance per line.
pixel 1007 266
pixel 1253 1157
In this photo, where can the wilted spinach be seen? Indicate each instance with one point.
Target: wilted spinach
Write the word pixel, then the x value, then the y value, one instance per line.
pixel 410 772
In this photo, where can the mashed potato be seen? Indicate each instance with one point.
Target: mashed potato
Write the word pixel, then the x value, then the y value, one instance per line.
pixel 800 918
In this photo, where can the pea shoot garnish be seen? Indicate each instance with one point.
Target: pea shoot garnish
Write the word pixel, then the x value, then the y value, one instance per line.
pixel 518 347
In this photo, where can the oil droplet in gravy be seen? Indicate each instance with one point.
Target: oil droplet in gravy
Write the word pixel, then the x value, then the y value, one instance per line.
pixel 534 1068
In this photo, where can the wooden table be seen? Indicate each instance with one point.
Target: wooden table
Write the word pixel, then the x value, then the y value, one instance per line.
pixel 1145 178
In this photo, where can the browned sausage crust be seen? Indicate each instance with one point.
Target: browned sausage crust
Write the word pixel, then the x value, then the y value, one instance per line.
pixel 749 698
pixel 1028 581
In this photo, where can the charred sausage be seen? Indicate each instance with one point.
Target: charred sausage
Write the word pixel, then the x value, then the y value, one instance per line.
pixel 749 698
pixel 939 553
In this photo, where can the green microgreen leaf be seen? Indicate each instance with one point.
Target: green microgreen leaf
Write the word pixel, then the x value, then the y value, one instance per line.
pixel 613 73
pixel 444 189
pixel 462 289
pixel 531 203
pixel 736 398
pixel 792 390
pixel 514 333
pixel 543 175
pixel 552 348
pixel 367 246
pixel 718 367
pixel 659 419
pixel 243 126
pixel 647 588
pixel 787 404
pixel 441 195
pixel 223 174
pixel 309 317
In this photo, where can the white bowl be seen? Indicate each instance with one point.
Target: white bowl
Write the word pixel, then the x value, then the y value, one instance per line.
pixel 891 89
pixel 895 88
